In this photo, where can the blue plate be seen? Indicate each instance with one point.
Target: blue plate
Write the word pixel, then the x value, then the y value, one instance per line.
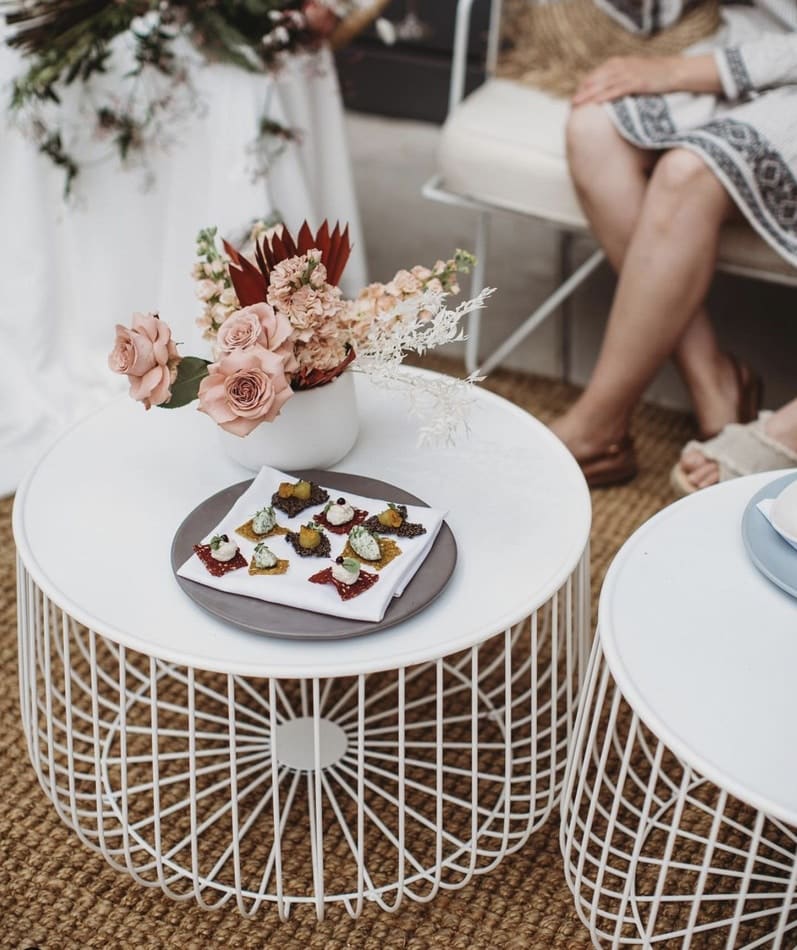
pixel 774 557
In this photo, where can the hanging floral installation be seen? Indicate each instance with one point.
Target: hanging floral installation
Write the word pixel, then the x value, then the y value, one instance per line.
pixel 131 63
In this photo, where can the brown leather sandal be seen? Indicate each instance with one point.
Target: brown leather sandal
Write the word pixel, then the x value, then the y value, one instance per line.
pixel 751 395
pixel 614 466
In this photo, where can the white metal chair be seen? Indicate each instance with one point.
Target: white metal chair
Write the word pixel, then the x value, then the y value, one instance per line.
pixel 503 149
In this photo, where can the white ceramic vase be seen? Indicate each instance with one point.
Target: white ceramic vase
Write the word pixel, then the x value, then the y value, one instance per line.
pixel 315 429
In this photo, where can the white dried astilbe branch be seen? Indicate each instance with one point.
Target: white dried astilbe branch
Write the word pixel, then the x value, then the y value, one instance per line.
pixel 417 325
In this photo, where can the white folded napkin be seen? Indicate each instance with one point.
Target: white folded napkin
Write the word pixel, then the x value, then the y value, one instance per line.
pixel 765 506
pixel 293 589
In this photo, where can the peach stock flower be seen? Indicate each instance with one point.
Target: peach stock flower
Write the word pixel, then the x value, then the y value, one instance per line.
pixel 147 355
pixel 245 388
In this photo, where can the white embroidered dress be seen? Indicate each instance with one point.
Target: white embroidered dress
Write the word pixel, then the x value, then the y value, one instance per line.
pixel 747 135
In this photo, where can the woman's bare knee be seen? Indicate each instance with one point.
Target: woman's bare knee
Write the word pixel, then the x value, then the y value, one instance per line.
pixel 592 139
pixel 681 173
pixel 588 128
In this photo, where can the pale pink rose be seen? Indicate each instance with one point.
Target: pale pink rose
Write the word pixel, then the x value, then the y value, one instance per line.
pixel 258 325
pixel 320 18
pixel 276 327
pixel 243 389
pixel 240 330
pixel 147 355
pixel 421 273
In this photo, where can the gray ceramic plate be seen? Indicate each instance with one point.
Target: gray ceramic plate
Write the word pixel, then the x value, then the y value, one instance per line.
pixel 774 557
pixel 291 623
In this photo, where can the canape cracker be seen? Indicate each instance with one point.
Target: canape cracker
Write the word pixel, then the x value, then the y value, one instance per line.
pixel 388 549
pixel 218 568
pixel 281 567
pixel 364 582
pixel 248 532
pixel 323 549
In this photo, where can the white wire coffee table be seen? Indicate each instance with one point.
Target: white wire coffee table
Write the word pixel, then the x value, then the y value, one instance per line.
pixel 226 767
pixel 679 817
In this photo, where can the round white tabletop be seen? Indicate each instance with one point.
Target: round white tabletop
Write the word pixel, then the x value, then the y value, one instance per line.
pixel 94 521
pixel 704 648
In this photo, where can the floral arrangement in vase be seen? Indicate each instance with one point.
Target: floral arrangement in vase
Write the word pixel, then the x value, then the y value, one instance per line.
pixel 278 325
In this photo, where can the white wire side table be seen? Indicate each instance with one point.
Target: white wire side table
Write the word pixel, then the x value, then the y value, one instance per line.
pixel 232 769
pixel 679 816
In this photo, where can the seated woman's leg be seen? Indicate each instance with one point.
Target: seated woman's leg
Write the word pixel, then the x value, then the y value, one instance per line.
pixel 611 177
pixel 665 276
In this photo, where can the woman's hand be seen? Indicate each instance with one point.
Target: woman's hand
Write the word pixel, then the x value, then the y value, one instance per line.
pixel 649 76
pixel 626 76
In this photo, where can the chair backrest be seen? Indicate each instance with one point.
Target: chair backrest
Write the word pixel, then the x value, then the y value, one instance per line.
pixel 459 61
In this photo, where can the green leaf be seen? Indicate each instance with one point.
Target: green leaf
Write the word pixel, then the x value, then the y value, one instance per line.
pixel 190 373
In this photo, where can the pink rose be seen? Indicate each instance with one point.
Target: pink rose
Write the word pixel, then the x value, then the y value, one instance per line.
pixel 245 388
pixel 258 325
pixel 240 330
pixel 147 355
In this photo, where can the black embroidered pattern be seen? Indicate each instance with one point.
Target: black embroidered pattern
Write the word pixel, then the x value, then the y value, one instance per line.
pixel 633 11
pixel 644 16
pixel 744 84
pixel 737 151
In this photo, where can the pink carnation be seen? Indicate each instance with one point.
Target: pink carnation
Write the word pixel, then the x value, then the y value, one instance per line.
pixel 292 274
pixel 147 355
pixel 245 388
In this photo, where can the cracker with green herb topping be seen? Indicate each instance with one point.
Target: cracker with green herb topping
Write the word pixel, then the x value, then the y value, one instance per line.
pixel 248 532
pixel 388 549
pixel 281 567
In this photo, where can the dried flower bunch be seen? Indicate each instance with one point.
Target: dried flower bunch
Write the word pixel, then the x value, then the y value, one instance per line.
pixel 278 324
pixel 148 44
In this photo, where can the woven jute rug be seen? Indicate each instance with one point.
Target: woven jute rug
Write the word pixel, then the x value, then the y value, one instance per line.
pixel 554 45
pixel 57 895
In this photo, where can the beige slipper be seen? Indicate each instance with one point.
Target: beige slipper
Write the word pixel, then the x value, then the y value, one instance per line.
pixel 737 450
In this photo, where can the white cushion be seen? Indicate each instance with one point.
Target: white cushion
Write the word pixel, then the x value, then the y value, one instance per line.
pixel 505 145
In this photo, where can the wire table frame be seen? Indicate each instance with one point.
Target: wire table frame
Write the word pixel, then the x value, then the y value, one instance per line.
pixel 655 853
pixel 255 791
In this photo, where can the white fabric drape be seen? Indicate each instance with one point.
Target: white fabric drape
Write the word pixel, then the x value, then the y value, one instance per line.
pixel 73 270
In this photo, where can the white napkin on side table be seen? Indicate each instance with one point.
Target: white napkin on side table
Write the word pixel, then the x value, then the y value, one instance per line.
pixel 293 589
pixel 765 506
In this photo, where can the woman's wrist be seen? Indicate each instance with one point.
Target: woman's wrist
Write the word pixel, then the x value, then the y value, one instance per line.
pixel 696 74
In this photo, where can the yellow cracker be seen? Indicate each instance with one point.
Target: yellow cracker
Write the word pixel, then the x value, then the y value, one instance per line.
pixel 388 548
pixel 248 532
pixel 281 567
